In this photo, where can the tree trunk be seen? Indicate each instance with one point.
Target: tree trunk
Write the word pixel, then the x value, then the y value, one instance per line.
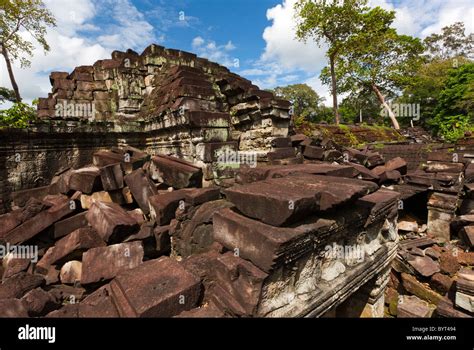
pixel 10 73
pixel 391 115
pixel 334 89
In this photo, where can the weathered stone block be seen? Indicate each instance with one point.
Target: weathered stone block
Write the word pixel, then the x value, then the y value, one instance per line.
pixel 111 222
pixel 104 263
pixel 156 288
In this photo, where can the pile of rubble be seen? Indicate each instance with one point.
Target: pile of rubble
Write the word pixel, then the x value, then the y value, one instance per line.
pixel 429 278
pixel 136 236
pixel 435 259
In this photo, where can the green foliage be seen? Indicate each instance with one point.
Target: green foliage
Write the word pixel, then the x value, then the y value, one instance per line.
pixel 454 113
pixel 304 99
pixel 6 95
pixel 17 116
pixel 452 42
pixel 378 55
pixel 30 15
pixel 307 104
pixel 331 22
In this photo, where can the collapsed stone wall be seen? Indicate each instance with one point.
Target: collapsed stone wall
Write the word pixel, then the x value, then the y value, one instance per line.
pixel 163 101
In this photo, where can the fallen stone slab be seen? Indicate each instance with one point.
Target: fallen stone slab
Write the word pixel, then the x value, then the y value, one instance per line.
pixel 419 289
pixel 449 264
pixel 41 221
pixel 60 182
pixel 281 153
pixel 13 265
pixel 66 226
pixel 39 302
pixel 417 242
pixel 241 280
pixel 121 197
pixel 129 158
pixel 364 173
pixel 141 187
pixel 15 218
pixel 104 263
pixel 71 247
pixel 156 288
pixel 398 164
pixel 249 175
pixel 441 283
pixel 199 196
pixel 281 201
pixel 443 167
pixel 424 265
pixel 281 142
pixel 111 222
pixel 163 206
pixel 66 294
pixel 19 284
pixel 407 226
pixel 12 307
pixel 99 304
pixel 313 152
pixel 111 177
pixel 264 245
pixel 445 308
pixel 465 281
pixel 20 198
pixel 390 176
pixel 412 306
pixel 175 172
pixel 86 180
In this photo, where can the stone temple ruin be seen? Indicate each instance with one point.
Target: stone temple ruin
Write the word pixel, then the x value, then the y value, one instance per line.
pixel 163 185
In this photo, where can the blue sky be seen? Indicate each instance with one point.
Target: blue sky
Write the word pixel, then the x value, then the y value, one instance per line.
pixel 256 34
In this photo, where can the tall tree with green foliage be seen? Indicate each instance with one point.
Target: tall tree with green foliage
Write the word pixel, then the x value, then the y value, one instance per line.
pixel 452 42
pixel 331 22
pixel 378 58
pixel 30 16
pixel 305 101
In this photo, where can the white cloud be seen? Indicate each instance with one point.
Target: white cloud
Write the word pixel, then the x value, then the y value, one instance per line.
pixel 282 46
pixel 284 55
pixel 197 42
pixel 73 42
pixel 217 53
pixel 130 29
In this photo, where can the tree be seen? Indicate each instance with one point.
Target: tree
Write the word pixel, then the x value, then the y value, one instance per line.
pixel 304 99
pixel 15 15
pixel 333 22
pixel 426 85
pixel 379 58
pixel 455 109
pixel 451 43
